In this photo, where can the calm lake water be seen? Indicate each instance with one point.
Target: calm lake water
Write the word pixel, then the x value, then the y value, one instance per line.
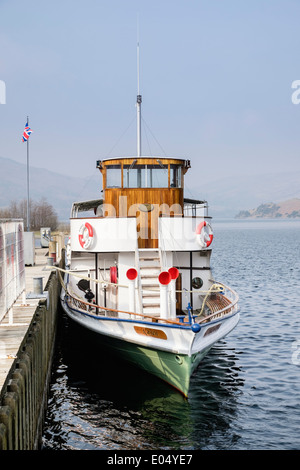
pixel 245 395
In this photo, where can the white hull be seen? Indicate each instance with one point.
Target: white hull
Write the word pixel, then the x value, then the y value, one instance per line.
pixel 178 339
pixel 180 343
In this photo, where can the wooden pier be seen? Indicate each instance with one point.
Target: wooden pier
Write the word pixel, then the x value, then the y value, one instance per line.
pixel 27 337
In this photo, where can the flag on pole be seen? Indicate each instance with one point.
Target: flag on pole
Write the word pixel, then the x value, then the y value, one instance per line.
pixel 26 133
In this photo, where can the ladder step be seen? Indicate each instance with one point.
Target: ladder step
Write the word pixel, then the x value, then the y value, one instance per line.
pixel 148 276
pixel 150 266
pixel 150 300
pixel 148 250
pixel 146 293
pixel 147 288
pixel 150 291
pixel 151 306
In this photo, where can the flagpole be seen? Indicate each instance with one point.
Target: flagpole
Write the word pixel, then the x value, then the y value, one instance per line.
pixel 28 213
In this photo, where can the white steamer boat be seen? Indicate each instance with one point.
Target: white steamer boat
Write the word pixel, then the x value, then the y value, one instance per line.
pixel 138 268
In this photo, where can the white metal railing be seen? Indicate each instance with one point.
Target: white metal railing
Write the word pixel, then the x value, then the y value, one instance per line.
pixel 12 263
pixel 193 208
pixel 216 288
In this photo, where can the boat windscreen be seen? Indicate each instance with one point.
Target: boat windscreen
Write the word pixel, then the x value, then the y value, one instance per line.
pixel 85 206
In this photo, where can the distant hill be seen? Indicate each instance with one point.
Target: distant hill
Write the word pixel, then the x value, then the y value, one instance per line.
pixel 228 196
pixel 284 210
pixel 59 190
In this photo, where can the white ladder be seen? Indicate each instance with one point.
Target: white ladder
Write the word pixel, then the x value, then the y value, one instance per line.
pixel 150 268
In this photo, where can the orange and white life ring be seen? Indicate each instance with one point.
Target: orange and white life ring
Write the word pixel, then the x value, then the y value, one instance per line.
pixel 86 235
pixel 204 234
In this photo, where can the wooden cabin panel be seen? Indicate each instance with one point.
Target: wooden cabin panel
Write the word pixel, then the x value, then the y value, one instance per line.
pixel 135 202
pixel 120 198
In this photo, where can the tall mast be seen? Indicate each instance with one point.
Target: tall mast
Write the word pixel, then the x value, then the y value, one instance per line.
pixel 139 141
pixel 28 204
pixel 138 102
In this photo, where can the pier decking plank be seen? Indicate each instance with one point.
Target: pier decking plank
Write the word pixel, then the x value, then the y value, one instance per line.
pixel 14 325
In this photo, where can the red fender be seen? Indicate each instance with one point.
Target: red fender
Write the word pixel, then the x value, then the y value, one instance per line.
pixel 113 274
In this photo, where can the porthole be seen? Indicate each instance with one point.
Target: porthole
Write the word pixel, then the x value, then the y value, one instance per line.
pixel 197 282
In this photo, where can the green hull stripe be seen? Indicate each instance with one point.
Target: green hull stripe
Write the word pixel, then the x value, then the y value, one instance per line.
pixel 174 369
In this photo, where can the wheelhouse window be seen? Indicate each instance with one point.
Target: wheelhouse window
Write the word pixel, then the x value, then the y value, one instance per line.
pixel 113 176
pixel 145 176
pixel 175 176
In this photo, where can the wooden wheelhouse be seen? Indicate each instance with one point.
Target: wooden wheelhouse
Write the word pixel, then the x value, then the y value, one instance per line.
pixel 146 188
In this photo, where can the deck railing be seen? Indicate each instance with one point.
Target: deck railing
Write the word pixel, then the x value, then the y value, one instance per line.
pixel 228 295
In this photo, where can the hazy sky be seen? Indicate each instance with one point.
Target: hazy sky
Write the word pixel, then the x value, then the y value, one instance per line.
pixel 215 76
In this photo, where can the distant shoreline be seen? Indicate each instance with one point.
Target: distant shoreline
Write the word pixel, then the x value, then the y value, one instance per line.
pixel 288 210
